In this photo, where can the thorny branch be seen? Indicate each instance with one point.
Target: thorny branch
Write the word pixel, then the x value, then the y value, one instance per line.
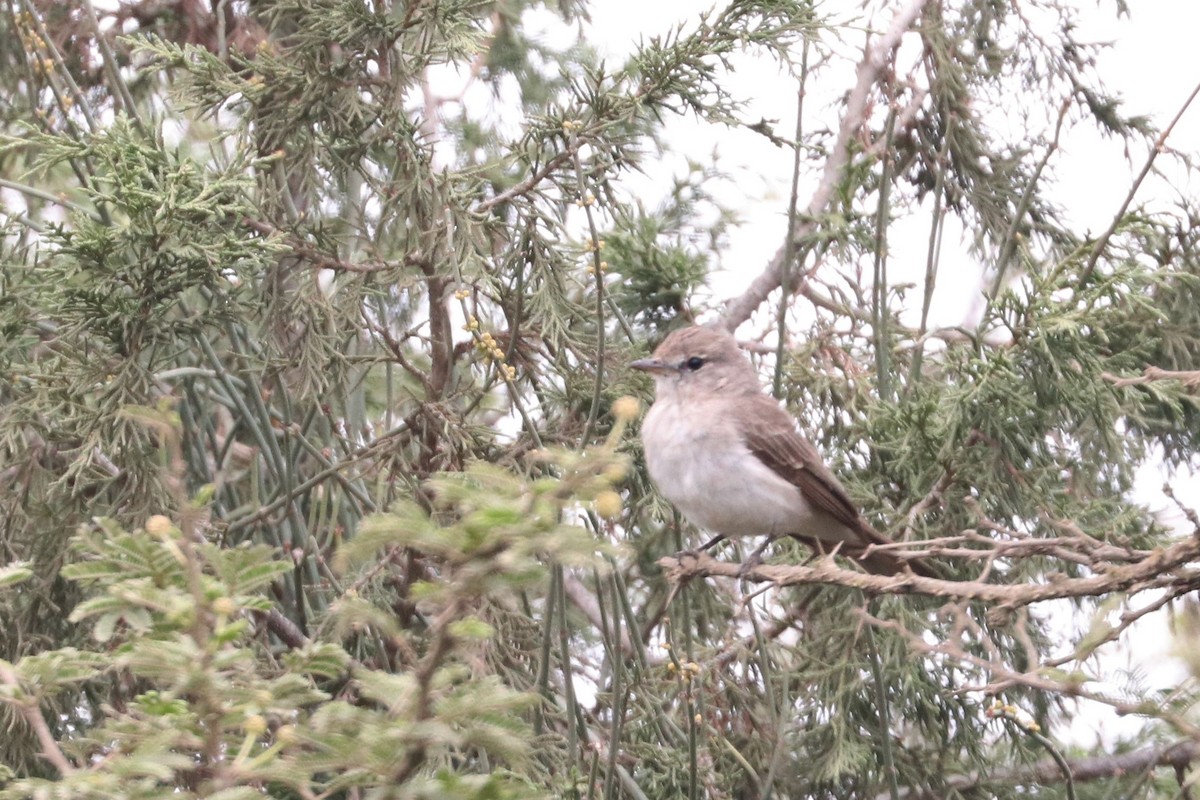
pixel 530 183
pixel 325 261
pixel 1169 568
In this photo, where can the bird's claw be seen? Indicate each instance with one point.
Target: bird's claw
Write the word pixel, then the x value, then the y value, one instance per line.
pixel 750 564
pixel 696 552
pixel 754 561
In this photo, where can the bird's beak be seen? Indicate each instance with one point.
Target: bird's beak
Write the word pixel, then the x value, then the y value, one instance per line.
pixel 653 366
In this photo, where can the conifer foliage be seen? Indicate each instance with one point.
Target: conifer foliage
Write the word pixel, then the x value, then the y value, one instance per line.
pixel 319 475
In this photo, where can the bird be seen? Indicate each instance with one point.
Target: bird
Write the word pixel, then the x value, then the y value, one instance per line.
pixel 734 462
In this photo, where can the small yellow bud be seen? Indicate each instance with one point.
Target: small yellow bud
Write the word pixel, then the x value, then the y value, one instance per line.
pixel 698 719
pixel 608 504
pixel 224 606
pixel 286 734
pixel 614 473
pixel 159 526
pixel 255 724
pixel 626 408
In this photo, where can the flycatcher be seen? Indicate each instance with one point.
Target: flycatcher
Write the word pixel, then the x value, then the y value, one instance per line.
pixel 733 461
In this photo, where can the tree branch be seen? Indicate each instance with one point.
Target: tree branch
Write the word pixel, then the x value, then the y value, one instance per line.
pixel 1190 379
pixel 1091 768
pixel 1160 144
pixel 29 710
pixel 875 61
pixel 530 183
pixel 1164 568
pixel 584 599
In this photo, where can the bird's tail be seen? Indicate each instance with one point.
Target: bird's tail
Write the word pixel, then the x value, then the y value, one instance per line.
pixel 884 562
pixel 875 560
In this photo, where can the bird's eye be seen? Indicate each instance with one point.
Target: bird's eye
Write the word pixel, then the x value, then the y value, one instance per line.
pixel 694 363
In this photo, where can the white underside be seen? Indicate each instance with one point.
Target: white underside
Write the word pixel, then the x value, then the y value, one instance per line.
pixel 702 466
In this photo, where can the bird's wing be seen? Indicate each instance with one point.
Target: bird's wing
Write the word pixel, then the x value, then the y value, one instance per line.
pixel 773 438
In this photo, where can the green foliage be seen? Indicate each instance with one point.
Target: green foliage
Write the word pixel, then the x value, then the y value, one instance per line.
pixel 660 256
pixel 208 709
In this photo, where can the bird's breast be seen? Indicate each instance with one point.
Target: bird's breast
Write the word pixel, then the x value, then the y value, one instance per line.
pixel 698 460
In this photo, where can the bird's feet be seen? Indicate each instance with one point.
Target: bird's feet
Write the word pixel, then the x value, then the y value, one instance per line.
pixel 754 561
pixel 694 552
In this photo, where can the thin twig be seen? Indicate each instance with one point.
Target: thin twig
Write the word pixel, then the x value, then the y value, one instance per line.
pixel 1009 245
pixel 530 183
pixel 32 714
pixel 1151 374
pixel 789 244
pixel 1159 145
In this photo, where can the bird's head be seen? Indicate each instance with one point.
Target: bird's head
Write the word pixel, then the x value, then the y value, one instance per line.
pixel 699 362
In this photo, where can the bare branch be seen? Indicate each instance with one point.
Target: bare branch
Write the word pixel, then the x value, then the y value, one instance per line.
pixel 1151 374
pixel 1091 768
pixel 1160 144
pixel 1167 568
pixel 873 65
